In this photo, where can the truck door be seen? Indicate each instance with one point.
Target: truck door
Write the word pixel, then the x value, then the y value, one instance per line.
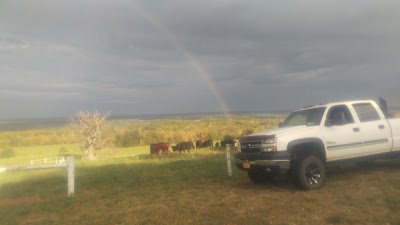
pixel 341 134
pixel 374 128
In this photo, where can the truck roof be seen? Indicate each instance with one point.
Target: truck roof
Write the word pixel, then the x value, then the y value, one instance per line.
pixel 336 103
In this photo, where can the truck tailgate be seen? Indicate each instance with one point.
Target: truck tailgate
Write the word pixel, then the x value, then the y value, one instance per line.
pixel 395 127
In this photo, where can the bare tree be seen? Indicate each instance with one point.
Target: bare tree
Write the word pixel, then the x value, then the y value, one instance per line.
pixel 92 131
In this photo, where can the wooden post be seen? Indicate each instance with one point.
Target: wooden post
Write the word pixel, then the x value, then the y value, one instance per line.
pixel 228 159
pixel 71 176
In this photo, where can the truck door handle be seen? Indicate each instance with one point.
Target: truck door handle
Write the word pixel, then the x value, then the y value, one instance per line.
pixel 381 126
pixel 356 129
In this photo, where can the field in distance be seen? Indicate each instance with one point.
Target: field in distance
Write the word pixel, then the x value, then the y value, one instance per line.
pixel 23 124
pixel 132 187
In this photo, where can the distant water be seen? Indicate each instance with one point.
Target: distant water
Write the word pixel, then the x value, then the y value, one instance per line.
pixel 32 124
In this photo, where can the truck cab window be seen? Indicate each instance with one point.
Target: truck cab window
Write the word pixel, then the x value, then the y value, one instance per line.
pixel 366 112
pixel 339 115
pixel 307 117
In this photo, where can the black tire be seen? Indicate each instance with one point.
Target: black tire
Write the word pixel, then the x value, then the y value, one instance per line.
pixel 258 176
pixel 309 172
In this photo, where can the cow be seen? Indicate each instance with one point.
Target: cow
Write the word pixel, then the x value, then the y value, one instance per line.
pixel 184 146
pixel 228 142
pixel 217 144
pixel 160 148
pixel 198 144
pixel 208 143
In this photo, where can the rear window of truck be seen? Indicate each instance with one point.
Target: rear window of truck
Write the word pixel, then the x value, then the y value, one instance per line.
pixel 366 112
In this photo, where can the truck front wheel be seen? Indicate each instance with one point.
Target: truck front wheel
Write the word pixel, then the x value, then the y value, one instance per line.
pixel 309 172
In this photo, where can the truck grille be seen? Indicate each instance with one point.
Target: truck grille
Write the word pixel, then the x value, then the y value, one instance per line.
pixel 250 147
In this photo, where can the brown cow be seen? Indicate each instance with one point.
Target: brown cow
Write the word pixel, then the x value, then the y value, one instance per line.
pixel 160 148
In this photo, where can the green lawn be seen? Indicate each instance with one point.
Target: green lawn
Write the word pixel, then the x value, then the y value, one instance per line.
pixel 132 187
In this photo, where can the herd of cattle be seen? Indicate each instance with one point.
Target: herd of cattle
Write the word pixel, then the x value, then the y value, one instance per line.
pixel 187 146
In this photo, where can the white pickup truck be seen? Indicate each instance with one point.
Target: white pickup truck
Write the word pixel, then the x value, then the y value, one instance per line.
pixel 312 138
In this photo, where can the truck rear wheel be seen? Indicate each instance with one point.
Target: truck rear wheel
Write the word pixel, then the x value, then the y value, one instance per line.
pixel 309 172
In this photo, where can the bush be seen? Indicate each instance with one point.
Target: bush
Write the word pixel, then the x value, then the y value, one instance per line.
pixel 176 130
pixel 7 153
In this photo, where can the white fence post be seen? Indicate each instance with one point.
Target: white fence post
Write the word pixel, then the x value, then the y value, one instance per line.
pixel 228 159
pixel 71 176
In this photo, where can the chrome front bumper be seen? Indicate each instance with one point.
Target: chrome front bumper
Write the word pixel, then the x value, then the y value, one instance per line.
pixel 279 160
pixel 282 164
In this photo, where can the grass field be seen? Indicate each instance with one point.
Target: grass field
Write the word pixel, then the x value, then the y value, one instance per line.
pixel 189 189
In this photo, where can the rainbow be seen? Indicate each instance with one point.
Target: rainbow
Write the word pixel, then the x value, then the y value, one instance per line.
pixel 198 66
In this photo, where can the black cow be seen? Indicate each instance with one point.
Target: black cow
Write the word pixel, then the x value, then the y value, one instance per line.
pixel 227 142
pixel 208 143
pixel 198 144
pixel 183 146
pixel 217 144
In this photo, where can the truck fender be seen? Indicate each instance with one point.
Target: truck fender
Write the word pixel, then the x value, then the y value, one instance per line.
pixel 317 143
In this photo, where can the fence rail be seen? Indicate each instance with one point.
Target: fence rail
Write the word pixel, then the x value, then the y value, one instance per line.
pixel 49 160
pixel 70 165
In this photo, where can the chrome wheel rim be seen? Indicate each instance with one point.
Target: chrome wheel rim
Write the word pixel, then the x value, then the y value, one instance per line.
pixel 312 174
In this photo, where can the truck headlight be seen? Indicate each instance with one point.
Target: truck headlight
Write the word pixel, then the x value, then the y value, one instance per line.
pixel 270 141
pixel 269 145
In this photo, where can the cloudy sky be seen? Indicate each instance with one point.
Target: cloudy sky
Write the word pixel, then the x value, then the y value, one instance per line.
pixel 178 56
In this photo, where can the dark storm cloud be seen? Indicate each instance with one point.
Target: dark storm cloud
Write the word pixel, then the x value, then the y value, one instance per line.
pixel 159 56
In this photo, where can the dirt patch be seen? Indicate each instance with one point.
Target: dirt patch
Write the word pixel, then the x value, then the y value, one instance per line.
pixel 20 201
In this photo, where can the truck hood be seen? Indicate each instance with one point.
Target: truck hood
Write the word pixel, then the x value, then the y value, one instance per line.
pixel 280 131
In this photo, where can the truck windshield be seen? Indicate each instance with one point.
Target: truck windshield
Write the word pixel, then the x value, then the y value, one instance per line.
pixel 308 117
